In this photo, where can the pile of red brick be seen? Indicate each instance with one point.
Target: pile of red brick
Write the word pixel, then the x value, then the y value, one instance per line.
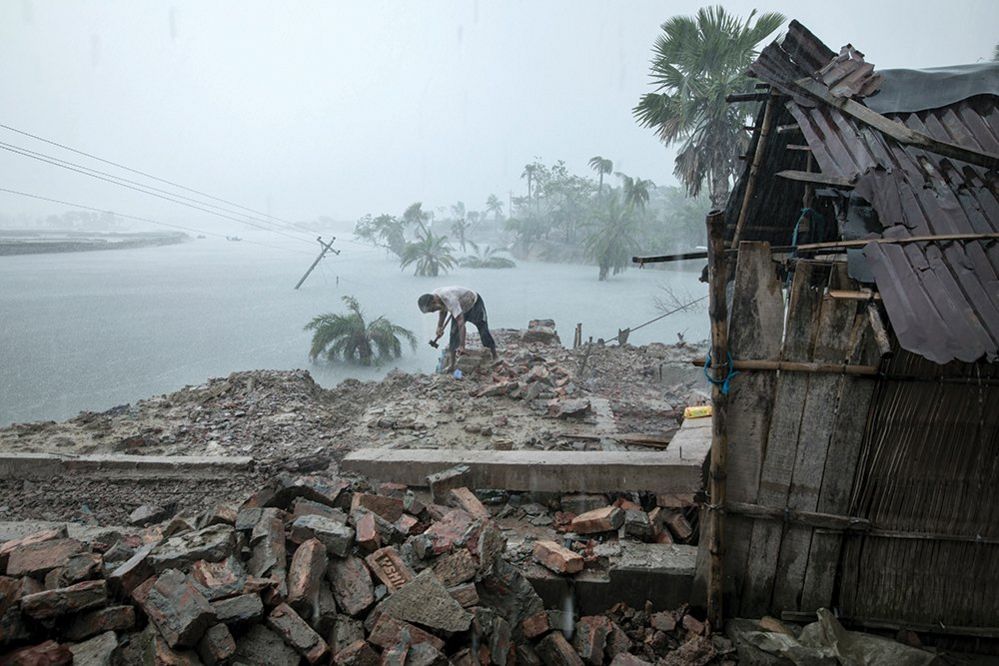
pixel 307 570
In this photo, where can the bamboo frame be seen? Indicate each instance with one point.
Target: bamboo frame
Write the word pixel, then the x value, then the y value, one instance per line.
pixel 761 145
pixel 798 366
pixel 718 311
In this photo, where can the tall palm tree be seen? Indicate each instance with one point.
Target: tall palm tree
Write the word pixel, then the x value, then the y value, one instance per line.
pixel 494 206
pixel 611 242
pixel 601 166
pixel 636 190
pixel 430 253
pixel 349 337
pixel 460 224
pixel 698 61
pixel 528 173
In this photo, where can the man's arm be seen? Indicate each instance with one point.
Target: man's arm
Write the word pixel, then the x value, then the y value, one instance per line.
pixel 441 318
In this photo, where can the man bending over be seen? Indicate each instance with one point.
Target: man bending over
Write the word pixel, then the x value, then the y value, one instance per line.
pixel 464 305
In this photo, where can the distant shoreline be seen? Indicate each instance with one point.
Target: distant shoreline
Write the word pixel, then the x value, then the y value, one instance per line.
pixel 48 242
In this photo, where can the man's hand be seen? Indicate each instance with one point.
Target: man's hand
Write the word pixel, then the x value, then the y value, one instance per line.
pixel 459 351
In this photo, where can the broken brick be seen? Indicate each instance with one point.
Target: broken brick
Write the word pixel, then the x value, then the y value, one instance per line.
pixel 389 568
pixel 216 645
pixel 64 600
pixel 128 575
pixel 175 606
pixel 555 650
pixel 297 633
pixel 358 653
pixel 243 609
pixel 441 483
pixel 352 586
pixel 389 508
pixel 218 580
pixel 387 632
pixel 500 642
pixel 367 533
pixel 336 537
pixel 578 503
pixel 425 601
pixel 626 659
pixel 618 642
pixel 304 575
pixel 599 520
pixel 455 567
pixel 663 621
pixel 48 653
pixel 7 547
pixel 406 524
pixel 268 547
pixel 112 618
pixel 590 638
pixel 306 507
pixel 693 625
pixel 557 558
pixel 466 594
pixel 466 500
pixel 536 625
pixel 678 525
pixel 213 543
pixel 40 557
pixel 444 534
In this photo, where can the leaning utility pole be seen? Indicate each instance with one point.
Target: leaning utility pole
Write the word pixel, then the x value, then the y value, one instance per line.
pixel 327 247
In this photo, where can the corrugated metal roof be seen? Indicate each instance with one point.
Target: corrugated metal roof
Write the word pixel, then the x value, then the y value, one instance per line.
pixel 942 298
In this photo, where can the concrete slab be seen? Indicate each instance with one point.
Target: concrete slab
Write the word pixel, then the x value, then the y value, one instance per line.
pixel 15 529
pixel 541 471
pixel 46 466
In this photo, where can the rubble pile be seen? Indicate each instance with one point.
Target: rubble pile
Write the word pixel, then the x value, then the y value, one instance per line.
pixel 318 569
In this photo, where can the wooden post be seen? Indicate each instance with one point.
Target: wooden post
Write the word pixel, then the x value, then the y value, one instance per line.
pixel 577 339
pixel 327 247
pixel 718 312
pixel 761 145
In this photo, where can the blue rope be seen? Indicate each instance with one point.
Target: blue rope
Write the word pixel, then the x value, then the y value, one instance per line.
pixel 724 383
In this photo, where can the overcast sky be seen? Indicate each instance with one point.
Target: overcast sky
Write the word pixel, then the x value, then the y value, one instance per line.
pixel 343 108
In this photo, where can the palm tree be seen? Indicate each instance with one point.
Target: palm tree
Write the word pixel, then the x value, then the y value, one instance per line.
pixel 430 253
pixel 636 190
pixel 460 225
pixel 611 242
pixel 601 166
pixel 487 258
pixel 698 61
pixel 528 173
pixel 349 337
pixel 415 215
pixel 494 206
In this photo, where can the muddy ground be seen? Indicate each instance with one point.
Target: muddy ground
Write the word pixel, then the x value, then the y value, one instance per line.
pixel 285 421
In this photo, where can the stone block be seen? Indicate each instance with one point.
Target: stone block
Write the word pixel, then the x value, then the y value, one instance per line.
pixel 441 483
pixel 465 499
pixel 217 645
pixel 112 618
pixel 367 535
pixel 536 625
pixel 322 489
pixel 62 601
pixel 386 564
pixel 500 642
pixel 136 569
pixel 268 548
pixel 557 558
pixel 336 537
pixel 606 519
pixel 425 601
pixel 425 654
pixel 406 524
pixel 446 533
pixel 555 650
pixel 297 633
pixel 95 652
pixel 346 630
pixel 352 586
pixel 638 525
pixel 174 605
pixel 262 647
pixel 678 525
pixel 244 609
pixel 308 565
pixel 37 558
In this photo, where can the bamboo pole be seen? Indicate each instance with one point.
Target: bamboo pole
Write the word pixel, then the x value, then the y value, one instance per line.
pixel 718 312
pixel 761 145
pixel 796 366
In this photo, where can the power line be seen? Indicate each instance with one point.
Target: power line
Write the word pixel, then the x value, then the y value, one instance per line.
pixel 141 219
pixel 32 153
pixel 88 172
pixel 142 173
